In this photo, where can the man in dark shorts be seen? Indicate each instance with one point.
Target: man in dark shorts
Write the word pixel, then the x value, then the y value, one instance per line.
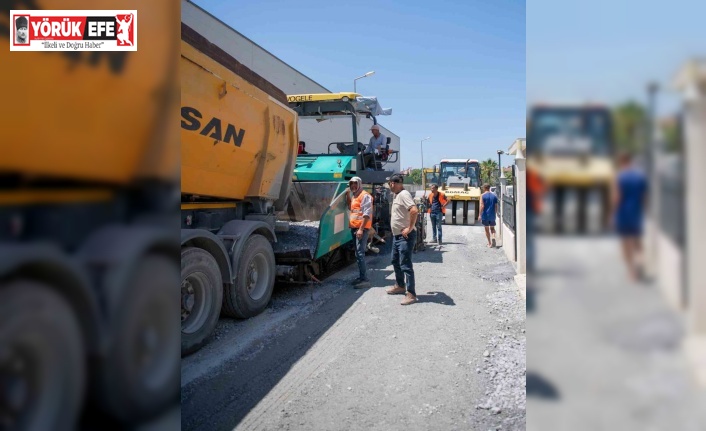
pixel 629 200
pixel 488 207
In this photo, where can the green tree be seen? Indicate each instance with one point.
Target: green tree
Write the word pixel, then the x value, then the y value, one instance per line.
pixel 629 126
pixel 488 171
pixel 672 135
pixel 509 175
pixel 414 177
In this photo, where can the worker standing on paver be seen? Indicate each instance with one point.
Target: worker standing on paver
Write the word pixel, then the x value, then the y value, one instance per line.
pixel 374 148
pixel 360 204
pixel 629 200
pixel 437 209
pixel 403 222
pixel 488 209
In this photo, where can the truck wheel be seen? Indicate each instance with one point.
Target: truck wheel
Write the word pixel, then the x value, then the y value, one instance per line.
pixel 139 376
pixel 252 290
pixel 201 297
pixel 42 359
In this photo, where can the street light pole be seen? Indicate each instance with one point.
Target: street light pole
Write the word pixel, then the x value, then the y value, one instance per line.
pixel 651 162
pixel 652 88
pixel 500 166
pixel 421 148
pixel 372 72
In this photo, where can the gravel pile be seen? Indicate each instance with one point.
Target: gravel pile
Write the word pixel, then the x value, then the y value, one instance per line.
pixel 504 360
pixel 300 235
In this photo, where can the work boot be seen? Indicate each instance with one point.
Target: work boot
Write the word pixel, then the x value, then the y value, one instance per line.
pixel 362 284
pixel 356 281
pixel 409 299
pixel 396 290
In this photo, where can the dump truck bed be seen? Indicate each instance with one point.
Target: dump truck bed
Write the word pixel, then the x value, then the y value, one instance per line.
pixel 71 130
pixel 238 141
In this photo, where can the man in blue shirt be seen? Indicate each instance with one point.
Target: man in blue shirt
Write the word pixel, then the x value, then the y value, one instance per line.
pixel 488 207
pixel 629 200
pixel 375 146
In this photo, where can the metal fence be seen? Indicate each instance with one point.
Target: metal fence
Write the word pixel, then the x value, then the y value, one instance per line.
pixel 672 208
pixel 509 212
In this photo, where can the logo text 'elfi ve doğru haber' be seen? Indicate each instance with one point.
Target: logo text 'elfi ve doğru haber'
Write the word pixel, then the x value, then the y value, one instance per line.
pixel 66 30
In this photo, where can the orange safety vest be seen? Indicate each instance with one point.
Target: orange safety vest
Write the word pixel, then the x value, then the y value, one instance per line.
pixel 356 218
pixel 442 201
pixel 535 186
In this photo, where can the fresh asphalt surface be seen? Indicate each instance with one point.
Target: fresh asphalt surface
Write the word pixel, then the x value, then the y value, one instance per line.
pixel 329 357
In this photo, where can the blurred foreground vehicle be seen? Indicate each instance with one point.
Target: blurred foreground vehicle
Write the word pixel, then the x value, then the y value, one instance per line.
pixel 89 259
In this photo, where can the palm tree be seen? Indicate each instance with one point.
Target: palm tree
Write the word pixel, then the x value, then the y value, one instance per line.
pixel 488 171
pixel 629 120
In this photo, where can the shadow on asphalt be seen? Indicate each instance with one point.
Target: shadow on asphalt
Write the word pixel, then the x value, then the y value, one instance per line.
pixel 530 299
pixel 433 254
pixel 248 378
pixel 437 298
pixel 539 387
pixel 432 245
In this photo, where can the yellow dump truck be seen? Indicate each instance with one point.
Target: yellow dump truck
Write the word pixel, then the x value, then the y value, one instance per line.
pixel 573 151
pixel 238 150
pixel 88 263
pixel 460 181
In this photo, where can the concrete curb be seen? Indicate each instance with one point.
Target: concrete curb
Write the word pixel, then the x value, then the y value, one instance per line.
pixel 695 347
pixel 521 281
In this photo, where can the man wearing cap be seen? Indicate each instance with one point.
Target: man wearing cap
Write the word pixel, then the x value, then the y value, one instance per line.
pixel 375 146
pixel 403 222
pixel 21 32
pixel 360 204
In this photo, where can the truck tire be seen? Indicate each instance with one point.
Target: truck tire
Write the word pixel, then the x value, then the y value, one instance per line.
pixel 42 359
pixel 139 376
pixel 201 297
pixel 252 290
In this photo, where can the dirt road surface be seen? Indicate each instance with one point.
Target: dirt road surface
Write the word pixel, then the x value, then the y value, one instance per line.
pixel 334 358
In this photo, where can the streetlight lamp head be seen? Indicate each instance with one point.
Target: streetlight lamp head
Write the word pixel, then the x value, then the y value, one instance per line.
pixel 501 152
pixel 372 72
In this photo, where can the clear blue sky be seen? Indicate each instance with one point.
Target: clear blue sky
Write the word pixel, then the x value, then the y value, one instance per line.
pixel 607 50
pixel 451 70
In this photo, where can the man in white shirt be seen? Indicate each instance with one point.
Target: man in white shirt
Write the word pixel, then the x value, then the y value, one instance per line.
pixel 403 222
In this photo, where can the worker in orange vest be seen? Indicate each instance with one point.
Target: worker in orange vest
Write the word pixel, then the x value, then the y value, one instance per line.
pixel 535 193
pixel 360 204
pixel 437 209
